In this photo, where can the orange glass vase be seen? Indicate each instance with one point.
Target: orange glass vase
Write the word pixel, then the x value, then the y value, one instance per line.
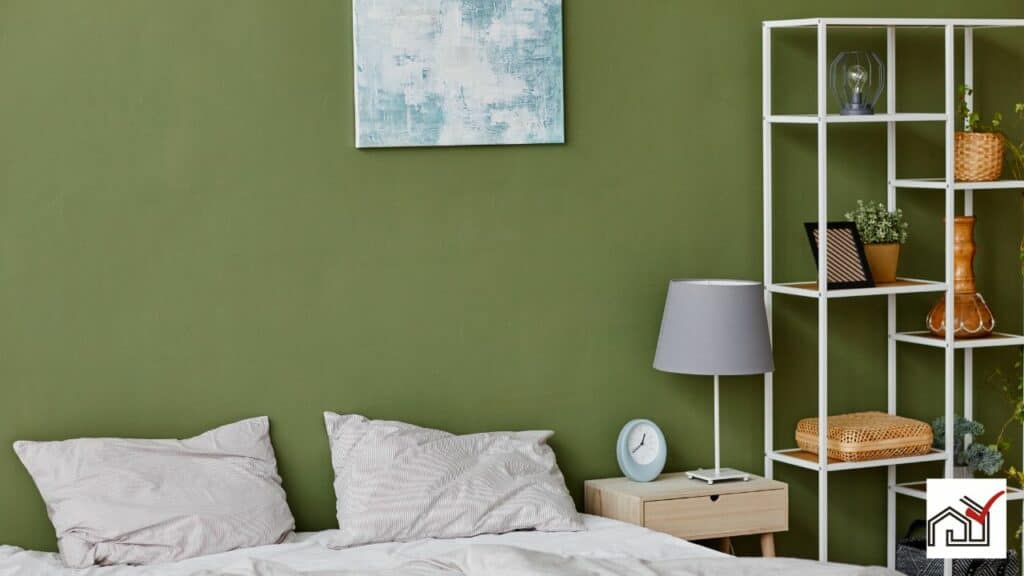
pixel 971 315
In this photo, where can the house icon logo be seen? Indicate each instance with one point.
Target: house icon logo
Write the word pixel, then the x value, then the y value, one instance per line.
pixel 966 518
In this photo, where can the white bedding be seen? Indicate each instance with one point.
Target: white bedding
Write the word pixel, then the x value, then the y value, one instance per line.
pixel 606 547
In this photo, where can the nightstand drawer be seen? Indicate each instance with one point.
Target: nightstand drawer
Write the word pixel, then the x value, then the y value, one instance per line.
pixel 704 517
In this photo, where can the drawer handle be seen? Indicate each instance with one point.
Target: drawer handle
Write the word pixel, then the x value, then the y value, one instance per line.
pixel 714 497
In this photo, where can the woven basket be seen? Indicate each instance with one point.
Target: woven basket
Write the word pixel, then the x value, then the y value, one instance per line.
pixel 867 436
pixel 978 157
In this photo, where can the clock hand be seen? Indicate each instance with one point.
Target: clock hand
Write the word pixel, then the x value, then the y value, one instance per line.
pixel 643 439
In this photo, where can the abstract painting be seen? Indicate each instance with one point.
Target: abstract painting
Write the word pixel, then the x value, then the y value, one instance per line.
pixel 458 72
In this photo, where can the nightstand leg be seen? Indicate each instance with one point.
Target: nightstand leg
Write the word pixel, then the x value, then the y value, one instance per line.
pixel 725 545
pixel 768 545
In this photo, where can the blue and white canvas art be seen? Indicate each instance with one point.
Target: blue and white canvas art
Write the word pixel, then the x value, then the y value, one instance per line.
pixel 458 72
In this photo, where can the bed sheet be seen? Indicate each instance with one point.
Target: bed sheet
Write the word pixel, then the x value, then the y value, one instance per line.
pixel 308 552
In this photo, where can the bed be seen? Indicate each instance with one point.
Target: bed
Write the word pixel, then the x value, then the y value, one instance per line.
pixel 214 505
pixel 606 547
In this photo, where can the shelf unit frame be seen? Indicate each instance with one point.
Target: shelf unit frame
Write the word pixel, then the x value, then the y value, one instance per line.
pixel 822 119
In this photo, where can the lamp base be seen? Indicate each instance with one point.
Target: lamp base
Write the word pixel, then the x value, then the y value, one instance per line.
pixel 722 475
pixel 857 110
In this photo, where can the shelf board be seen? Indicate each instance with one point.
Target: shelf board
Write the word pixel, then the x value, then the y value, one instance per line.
pixel 900 286
pixel 995 340
pixel 869 119
pixel 940 184
pixel 897 22
pixel 809 460
pixel 919 490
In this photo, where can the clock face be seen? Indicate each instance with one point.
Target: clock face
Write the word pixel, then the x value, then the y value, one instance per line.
pixel 643 444
pixel 641 450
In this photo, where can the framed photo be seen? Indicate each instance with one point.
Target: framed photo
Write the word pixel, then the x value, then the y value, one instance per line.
pixel 847 264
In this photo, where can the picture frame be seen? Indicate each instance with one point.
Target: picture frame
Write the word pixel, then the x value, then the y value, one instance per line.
pixel 458 73
pixel 847 262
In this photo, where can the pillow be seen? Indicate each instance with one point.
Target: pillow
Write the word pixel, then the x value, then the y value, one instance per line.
pixel 122 501
pixel 399 482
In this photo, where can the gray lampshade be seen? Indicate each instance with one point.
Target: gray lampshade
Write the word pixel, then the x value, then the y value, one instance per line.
pixel 714 327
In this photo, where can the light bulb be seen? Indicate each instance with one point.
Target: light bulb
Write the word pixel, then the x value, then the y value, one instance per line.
pixel 857 77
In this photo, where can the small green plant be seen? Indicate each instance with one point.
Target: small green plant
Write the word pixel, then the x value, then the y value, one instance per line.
pixel 877 225
pixel 970 120
pixel 1015 151
pixel 1012 386
pixel 978 457
pixel 1015 156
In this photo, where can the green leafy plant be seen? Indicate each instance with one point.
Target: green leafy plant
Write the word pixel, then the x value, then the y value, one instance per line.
pixel 1015 158
pixel 971 120
pixel 977 457
pixel 1012 388
pixel 1015 152
pixel 877 225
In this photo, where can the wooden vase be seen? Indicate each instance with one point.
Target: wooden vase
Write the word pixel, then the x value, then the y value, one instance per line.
pixel 971 315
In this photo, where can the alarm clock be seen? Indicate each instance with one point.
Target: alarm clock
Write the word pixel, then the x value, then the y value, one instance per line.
pixel 641 450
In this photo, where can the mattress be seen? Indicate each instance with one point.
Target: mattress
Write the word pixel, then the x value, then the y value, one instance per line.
pixel 606 547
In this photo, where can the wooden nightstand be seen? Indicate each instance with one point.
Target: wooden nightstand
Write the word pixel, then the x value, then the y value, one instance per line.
pixel 695 510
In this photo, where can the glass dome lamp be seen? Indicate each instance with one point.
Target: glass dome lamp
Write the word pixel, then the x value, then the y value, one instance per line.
pixel 858 78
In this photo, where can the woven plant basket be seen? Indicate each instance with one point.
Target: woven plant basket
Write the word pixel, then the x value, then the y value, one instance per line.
pixel 978 157
pixel 867 436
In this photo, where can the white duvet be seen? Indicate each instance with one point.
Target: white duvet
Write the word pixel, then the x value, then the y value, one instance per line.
pixel 606 548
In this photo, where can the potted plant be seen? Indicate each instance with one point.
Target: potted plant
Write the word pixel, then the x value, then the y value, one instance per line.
pixel 882 232
pixel 978 457
pixel 979 146
pixel 1016 150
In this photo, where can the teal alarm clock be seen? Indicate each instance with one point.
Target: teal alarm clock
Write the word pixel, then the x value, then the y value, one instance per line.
pixel 641 450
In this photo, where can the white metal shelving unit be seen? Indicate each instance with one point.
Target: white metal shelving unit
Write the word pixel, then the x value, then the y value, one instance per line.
pixel 819 289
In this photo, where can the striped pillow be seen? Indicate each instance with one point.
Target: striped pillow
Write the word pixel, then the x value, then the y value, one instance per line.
pixel 125 501
pixel 399 482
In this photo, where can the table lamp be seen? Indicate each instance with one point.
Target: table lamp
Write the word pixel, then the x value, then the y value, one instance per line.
pixel 715 328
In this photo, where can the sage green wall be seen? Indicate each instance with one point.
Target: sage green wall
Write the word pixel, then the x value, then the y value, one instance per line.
pixel 188 236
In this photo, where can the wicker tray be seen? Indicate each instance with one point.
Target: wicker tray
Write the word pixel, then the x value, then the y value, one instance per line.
pixel 867 436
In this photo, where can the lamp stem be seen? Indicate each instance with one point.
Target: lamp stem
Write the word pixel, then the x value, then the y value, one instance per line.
pixel 718 462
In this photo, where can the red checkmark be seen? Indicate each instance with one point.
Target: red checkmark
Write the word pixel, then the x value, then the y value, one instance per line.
pixel 979 517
